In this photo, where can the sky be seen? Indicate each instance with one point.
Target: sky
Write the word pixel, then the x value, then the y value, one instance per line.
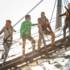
pixel 16 9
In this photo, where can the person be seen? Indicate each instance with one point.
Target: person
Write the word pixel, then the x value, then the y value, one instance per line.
pixel 44 28
pixel 25 32
pixel 67 21
pixel 8 36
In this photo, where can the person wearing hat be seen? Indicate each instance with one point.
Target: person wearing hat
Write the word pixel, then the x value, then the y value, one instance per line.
pixel 67 21
pixel 25 32
pixel 8 37
pixel 45 28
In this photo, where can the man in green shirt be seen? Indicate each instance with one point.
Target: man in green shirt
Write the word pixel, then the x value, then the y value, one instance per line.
pixel 25 32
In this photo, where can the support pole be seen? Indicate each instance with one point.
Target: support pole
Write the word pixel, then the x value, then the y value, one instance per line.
pixel 58 19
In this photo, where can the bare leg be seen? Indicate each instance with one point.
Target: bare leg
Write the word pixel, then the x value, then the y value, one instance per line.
pixel 6 48
pixel 33 42
pixel 52 39
pixel 24 42
pixel 64 32
pixel 39 41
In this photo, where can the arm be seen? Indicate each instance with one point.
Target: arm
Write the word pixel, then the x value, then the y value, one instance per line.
pixel 14 30
pixel 39 21
pixel 67 9
pixel 62 14
pixel 48 24
pixel 49 27
pixel 34 24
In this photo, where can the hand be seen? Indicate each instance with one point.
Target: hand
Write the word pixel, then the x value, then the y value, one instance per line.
pixel 65 7
pixel 59 15
pixel 14 30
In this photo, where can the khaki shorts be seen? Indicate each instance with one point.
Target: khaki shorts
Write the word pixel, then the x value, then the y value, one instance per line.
pixel 46 31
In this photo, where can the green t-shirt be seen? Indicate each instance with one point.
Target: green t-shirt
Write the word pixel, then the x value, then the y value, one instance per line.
pixel 25 29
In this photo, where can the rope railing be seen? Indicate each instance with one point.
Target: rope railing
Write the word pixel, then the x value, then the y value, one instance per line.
pixel 28 12
pixel 53 10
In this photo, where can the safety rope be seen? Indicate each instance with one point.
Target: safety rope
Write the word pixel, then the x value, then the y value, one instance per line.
pixel 29 12
pixel 53 10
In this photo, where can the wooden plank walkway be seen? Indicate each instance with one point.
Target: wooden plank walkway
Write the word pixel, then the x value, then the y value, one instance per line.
pixel 30 56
